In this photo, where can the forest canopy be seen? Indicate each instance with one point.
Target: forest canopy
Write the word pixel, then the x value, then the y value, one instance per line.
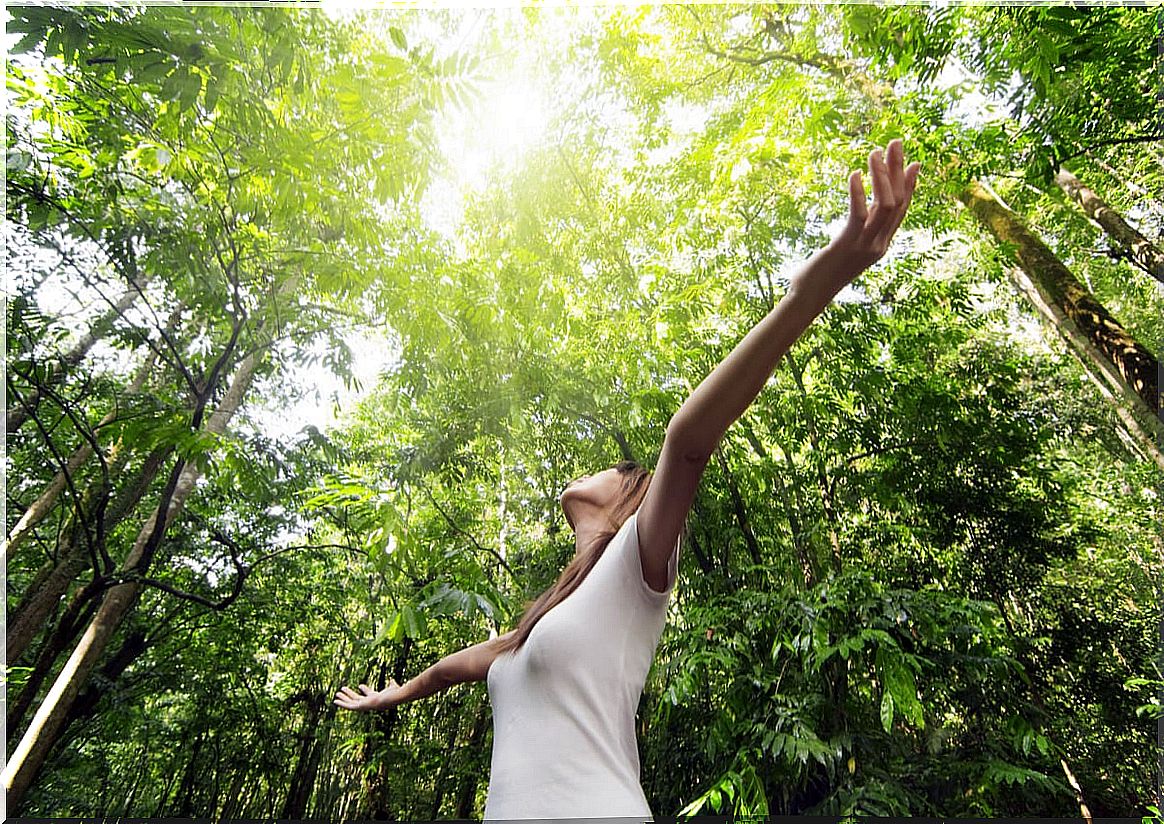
pixel 312 313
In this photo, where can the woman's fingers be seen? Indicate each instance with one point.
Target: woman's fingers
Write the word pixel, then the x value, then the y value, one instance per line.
pixel 909 184
pixel 883 201
pixel 349 699
pixel 895 166
pixel 858 209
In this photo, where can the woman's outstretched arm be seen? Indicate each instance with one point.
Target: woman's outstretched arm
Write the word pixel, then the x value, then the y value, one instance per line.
pixel 696 429
pixel 470 664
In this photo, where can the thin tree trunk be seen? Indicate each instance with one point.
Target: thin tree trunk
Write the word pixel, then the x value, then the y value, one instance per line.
pixel 802 539
pixel 795 529
pixel 45 594
pixel 441 783
pixel 1136 248
pixel 132 648
pixel 44 503
pixel 306 761
pixel 376 784
pixel 48 724
pixel 17 415
pixel 818 459
pixel 53 580
pixel 1088 326
pixel 82 606
pixel 232 804
pixel 183 803
pixel 700 556
pixel 469 782
pixel 311 774
pixel 740 510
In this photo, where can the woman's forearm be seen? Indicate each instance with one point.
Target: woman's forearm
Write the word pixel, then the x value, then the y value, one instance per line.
pixel 470 664
pixel 731 387
pixel 434 679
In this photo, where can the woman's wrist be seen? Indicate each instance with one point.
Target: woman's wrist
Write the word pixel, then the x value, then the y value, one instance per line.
pixel 823 276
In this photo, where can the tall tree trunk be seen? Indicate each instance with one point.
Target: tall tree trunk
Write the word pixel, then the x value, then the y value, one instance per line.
pixel 818 459
pixel 470 780
pixel 1135 247
pixel 311 773
pixel 43 505
pixel 440 785
pixel 700 556
pixel 232 804
pixel 16 415
pixel 1122 365
pixel 302 781
pixel 739 509
pixel 132 648
pixel 48 723
pixel 376 784
pixel 43 597
pixel 184 801
pixel 80 610
pixel 795 530
pixel 53 580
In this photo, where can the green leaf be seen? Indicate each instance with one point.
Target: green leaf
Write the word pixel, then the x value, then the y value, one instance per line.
pixel 887 711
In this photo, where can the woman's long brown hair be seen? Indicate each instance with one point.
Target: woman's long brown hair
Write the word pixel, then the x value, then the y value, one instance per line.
pixel 635 481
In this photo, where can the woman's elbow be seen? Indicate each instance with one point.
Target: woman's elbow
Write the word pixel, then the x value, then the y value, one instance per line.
pixel 687 442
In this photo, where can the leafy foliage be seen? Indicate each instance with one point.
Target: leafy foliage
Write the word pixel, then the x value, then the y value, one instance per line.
pixel 921 573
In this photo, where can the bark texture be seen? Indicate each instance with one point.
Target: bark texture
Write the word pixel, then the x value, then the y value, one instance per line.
pixel 1089 327
pixel 1134 246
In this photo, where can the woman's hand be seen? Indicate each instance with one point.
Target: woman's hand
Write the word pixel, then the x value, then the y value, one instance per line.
pixel 867 234
pixel 367 699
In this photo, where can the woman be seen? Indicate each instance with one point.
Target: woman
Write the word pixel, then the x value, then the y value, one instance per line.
pixel 566 682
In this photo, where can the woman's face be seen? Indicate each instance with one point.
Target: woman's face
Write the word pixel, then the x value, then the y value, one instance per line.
pixel 601 491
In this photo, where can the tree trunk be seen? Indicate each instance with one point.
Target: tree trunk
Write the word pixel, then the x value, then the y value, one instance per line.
pixel 740 510
pixel 795 530
pixel 1135 247
pixel 1107 341
pixel 41 507
pixel 232 804
pixel 16 415
pixel 299 791
pixel 184 802
pixel 43 597
pixel 700 556
pixel 48 723
pixel 468 792
pixel 44 503
pixel 82 606
pixel 311 773
pixel 53 581
pixel 440 785
pixel 818 459
pixel 135 643
pixel 376 784
pixel 1125 370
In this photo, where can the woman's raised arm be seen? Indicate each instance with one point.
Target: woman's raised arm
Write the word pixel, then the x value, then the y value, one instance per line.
pixel 469 664
pixel 696 429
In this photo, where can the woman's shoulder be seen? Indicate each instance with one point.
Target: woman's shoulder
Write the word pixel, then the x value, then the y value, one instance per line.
pixel 629 548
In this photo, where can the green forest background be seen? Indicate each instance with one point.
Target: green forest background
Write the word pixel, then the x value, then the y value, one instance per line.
pixel 923 573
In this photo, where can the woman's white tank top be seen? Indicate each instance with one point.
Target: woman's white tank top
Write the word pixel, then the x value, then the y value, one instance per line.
pixel 564 703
